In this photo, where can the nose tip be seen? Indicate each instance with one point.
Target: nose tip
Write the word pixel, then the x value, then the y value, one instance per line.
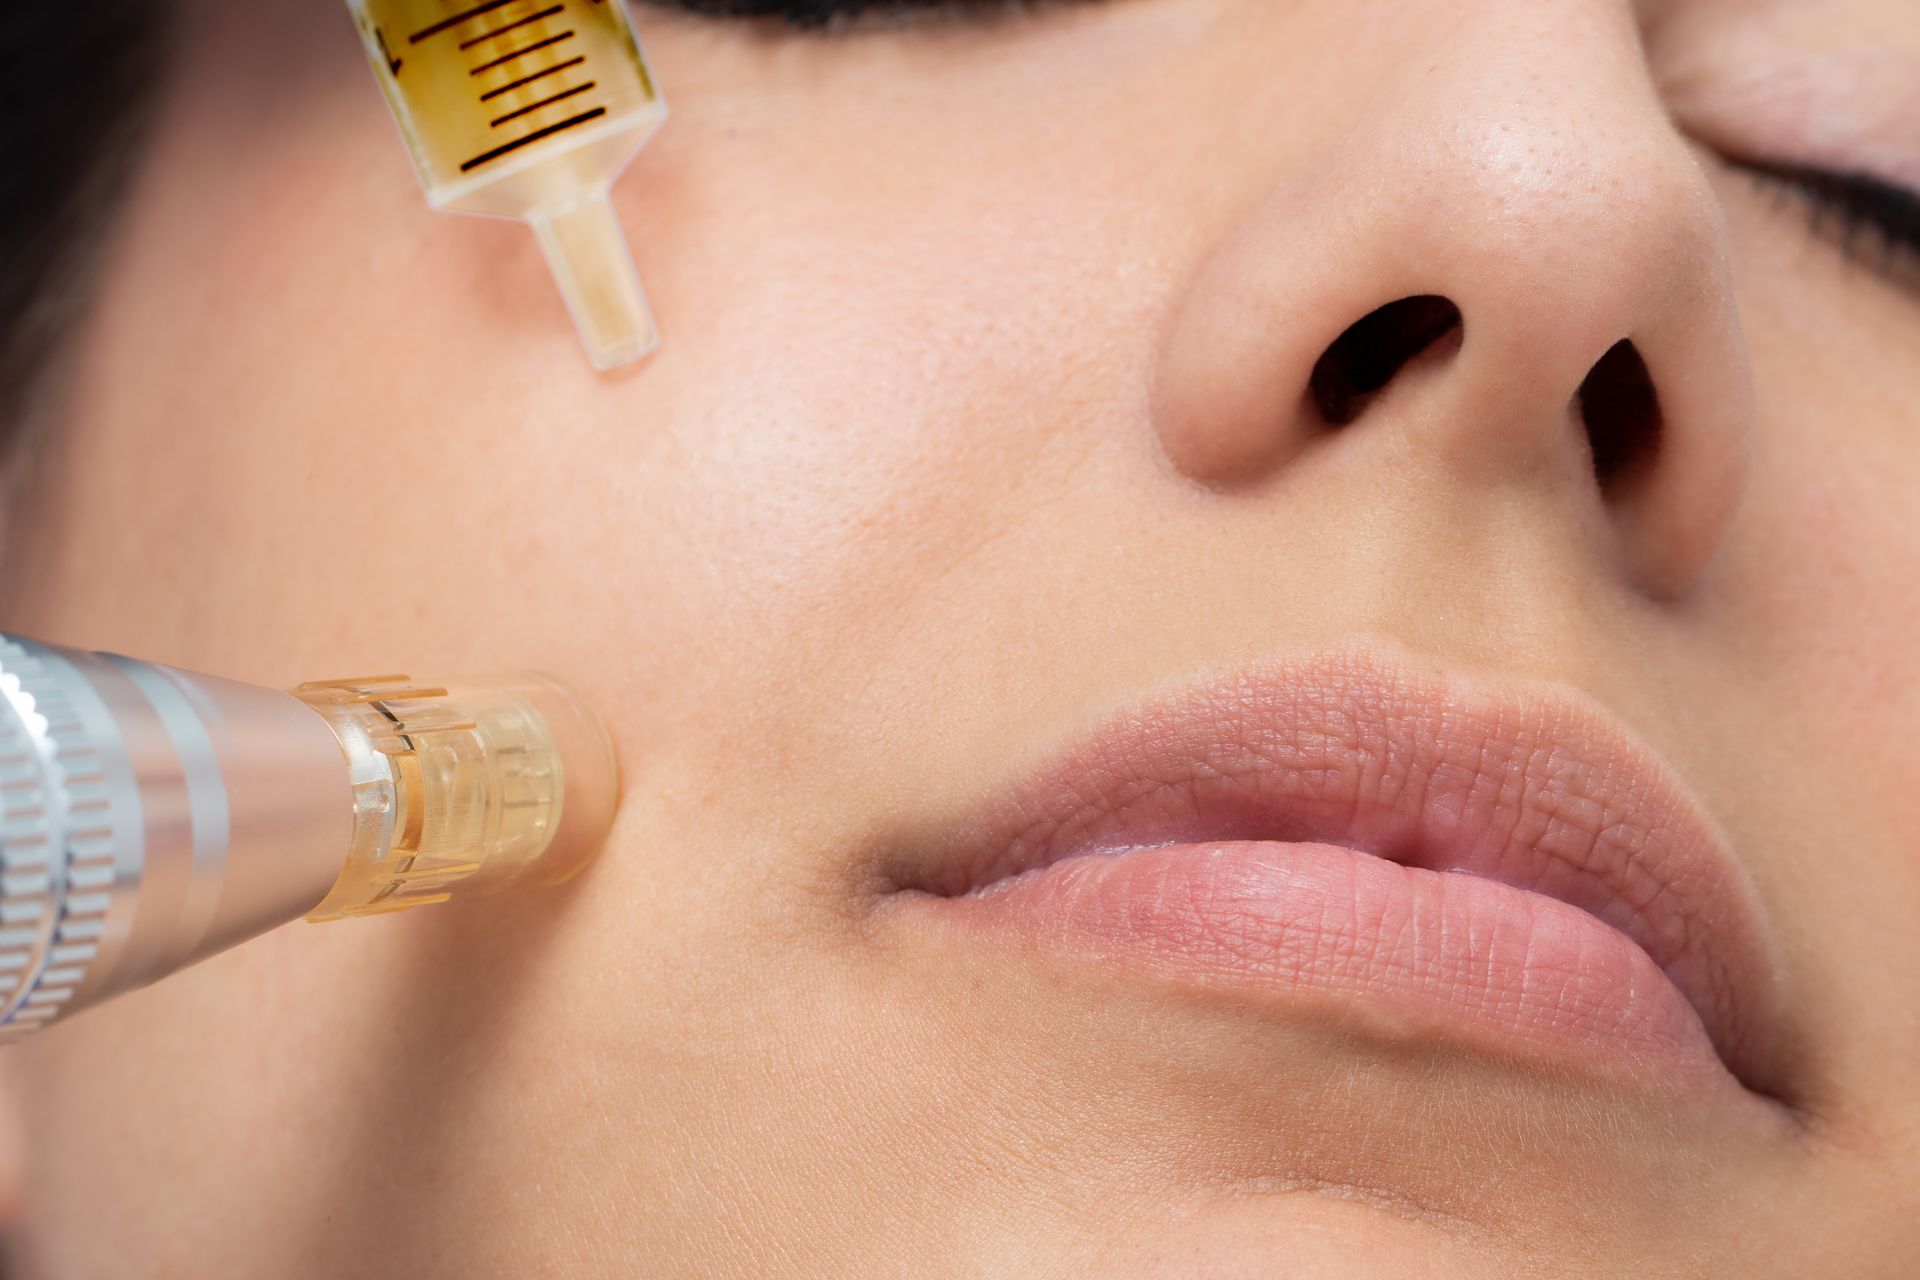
pixel 1523 298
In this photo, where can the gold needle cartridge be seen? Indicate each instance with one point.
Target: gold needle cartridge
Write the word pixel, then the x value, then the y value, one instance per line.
pixel 529 109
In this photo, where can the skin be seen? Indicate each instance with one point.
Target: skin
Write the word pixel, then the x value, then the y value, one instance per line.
pixel 981 416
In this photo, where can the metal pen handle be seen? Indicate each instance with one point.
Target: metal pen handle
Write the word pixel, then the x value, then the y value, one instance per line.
pixel 148 818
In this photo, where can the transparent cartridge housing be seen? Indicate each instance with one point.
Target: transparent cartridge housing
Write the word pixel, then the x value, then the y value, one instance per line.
pixel 529 109
pixel 468 788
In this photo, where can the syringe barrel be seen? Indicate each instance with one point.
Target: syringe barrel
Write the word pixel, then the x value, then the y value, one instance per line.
pixel 150 817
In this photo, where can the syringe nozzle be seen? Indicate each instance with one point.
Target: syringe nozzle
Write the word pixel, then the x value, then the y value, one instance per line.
pixel 588 256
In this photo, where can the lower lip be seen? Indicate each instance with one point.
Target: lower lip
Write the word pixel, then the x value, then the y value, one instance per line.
pixel 1315 923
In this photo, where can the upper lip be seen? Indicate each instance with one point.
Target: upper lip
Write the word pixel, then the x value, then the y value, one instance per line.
pixel 1529 786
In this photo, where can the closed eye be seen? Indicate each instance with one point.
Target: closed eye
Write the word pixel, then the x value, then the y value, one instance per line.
pixel 1869 217
pixel 821 15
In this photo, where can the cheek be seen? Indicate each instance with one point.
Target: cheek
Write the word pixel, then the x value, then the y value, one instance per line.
pixel 871 361
pixel 1827 534
pixel 1814 664
pixel 1817 662
pixel 342 432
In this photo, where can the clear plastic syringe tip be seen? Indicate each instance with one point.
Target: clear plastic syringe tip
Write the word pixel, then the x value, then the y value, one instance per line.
pixel 589 259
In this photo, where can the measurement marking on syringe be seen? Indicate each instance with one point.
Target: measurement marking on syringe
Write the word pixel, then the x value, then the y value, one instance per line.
pixel 555 69
pixel 535 136
pixel 457 19
pixel 500 31
pixel 521 53
pixel 544 102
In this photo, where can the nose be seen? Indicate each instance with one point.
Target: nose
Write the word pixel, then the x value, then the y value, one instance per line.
pixel 1502 260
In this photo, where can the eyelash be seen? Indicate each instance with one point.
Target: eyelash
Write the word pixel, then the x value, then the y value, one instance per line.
pixel 1852 208
pixel 816 15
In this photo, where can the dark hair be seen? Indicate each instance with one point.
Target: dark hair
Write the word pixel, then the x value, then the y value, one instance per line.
pixel 77 89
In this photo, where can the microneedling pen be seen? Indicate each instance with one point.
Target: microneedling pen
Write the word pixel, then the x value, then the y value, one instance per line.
pixel 150 817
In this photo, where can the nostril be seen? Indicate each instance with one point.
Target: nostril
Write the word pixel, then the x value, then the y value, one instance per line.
pixel 1621 412
pixel 1364 359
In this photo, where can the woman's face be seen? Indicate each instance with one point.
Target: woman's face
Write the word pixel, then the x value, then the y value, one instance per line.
pixel 1000 493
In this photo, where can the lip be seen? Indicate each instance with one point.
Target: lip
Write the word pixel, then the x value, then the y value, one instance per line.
pixel 1503 862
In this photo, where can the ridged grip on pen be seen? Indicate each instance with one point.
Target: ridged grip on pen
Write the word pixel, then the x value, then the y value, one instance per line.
pixel 149 817
pixel 56 848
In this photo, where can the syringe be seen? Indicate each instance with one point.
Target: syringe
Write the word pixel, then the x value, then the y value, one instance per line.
pixel 150 817
pixel 529 109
